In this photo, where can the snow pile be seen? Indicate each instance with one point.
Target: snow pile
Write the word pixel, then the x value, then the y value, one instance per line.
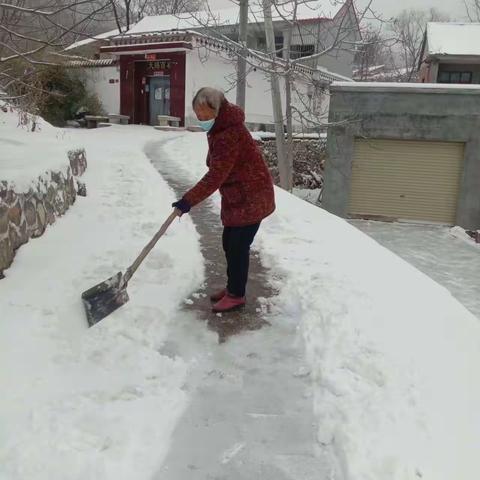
pixel 309 195
pixel 98 403
pixel 461 234
pixel 27 155
pixel 394 356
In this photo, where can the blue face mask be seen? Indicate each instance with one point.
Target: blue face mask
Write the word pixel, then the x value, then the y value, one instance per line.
pixel 206 124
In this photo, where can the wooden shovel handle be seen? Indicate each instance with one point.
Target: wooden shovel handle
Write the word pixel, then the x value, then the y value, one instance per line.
pixel 133 268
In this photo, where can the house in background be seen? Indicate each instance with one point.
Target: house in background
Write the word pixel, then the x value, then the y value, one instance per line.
pixel 450 53
pixel 155 68
pixel 320 24
pixel 161 71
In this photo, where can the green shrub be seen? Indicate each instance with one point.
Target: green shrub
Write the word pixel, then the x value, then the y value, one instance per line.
pixel 63 94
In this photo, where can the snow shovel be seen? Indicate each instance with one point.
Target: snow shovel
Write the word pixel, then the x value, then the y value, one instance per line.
pixel 104 298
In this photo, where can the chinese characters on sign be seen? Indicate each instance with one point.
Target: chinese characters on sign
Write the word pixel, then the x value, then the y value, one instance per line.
pixel 159 65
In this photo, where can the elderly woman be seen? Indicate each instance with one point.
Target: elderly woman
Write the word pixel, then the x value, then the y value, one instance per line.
pixel 236 167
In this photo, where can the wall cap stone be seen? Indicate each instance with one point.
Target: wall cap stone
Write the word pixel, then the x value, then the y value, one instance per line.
pixel 389 87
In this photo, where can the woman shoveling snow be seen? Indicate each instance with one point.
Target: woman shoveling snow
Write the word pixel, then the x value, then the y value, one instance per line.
pixel 237 168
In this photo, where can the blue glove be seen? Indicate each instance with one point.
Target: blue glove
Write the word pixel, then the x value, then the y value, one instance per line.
pixel 182 205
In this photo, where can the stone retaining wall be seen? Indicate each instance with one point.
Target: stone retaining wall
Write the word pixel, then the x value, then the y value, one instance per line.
pixel 308 161
pixel 26 215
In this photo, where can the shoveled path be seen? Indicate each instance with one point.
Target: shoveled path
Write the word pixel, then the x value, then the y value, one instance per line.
pixel 250 414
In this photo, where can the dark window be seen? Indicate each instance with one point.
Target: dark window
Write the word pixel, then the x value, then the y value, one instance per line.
pixel 298 51
pixel 455 77
pixel 233 36
pixel 262 45
pixel 279 46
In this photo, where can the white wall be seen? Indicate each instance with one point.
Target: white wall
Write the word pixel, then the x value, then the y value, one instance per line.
pixel 97 80
pixel 213 70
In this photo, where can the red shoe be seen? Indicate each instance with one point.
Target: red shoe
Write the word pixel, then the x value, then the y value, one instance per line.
pixel 216 297
pixel 229 303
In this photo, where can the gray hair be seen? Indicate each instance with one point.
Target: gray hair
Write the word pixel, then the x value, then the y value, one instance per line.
pixel 209 96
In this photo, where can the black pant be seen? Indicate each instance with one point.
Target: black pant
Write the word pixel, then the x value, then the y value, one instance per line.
pixel 236 244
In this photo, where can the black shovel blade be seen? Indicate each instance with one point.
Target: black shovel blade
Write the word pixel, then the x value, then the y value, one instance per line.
pixel 104 298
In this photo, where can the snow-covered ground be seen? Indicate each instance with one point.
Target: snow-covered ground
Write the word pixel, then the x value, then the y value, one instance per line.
pixel 447 255
pixel 97 403
pixel 393 356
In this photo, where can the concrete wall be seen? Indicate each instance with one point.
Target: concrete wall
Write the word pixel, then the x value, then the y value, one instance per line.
pixel 211 69
pixel 403 111
pixel 97 80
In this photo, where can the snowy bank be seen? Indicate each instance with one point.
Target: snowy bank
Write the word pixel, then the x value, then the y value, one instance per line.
pixel 26 154
pixel 394 356
pixel 37 183
pixel 96 403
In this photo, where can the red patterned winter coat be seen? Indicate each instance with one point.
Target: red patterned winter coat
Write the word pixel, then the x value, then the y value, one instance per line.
pixel 236 167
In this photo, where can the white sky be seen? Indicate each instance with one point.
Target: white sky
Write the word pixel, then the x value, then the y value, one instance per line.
pixel 389 8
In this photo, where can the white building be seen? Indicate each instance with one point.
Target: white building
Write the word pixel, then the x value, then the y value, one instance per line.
pixel 153 70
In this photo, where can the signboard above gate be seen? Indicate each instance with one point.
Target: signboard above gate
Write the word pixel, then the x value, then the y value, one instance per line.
pixel 150 56
pixel 159 65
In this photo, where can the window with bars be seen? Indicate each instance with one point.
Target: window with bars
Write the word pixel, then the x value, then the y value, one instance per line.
pixel 455 77
pixel 299 51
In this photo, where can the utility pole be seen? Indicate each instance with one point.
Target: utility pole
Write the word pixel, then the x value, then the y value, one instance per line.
pixel 242 61
pixel 283 169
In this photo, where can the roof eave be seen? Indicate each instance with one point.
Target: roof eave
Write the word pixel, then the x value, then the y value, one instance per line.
pixel 453 58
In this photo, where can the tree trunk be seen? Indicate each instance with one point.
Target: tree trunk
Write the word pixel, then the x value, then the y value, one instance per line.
pixel 276 99
pixel 242 62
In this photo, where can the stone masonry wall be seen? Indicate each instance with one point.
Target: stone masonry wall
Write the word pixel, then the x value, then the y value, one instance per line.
pixel 308 161
pixel 26 215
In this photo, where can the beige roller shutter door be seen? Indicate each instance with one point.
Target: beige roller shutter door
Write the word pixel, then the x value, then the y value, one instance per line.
pixel 409 180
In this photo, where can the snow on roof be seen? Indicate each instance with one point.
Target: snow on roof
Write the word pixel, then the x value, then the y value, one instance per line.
pixel 453 38
pixel 102 62
pixel 86 41
pixel 230 16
